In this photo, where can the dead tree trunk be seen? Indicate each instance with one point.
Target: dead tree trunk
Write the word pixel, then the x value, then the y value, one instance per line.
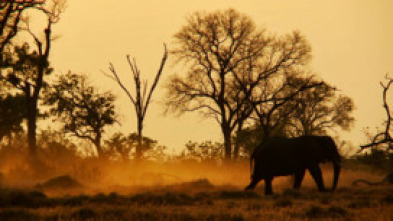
pixel 142 99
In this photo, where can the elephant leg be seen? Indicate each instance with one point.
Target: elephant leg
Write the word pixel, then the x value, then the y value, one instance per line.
pixel 317 175
pixel 268 186
pixel 253 183
pixel 299 178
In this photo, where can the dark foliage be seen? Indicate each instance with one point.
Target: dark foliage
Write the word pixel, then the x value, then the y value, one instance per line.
pixel 84 112
pixel 12 113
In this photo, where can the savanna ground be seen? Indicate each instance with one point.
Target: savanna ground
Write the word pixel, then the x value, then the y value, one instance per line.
pixel 97 190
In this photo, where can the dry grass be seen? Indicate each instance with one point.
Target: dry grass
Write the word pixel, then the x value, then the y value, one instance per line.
pixel 182 192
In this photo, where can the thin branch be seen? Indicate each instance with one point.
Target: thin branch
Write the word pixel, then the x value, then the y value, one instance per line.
pixel 164 58
pixel 116 78
pixel 386 137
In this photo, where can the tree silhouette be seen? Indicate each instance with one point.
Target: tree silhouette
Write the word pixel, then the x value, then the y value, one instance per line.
pixel 383 138
pixel 83 112
pixel 320 109
pixel 299 107
pixel 203 151
pixel 141 99
pixel 228 61
pixel 126 145
pixel 11 16
pixel 12 113
pixel 27 71
pixel 23 76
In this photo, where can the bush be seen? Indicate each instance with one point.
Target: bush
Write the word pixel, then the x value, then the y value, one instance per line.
pixel 377 158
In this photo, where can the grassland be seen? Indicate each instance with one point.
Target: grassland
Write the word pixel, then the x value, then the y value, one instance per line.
pixel 201 199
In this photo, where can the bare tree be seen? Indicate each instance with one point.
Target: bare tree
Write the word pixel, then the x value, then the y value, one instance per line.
pixel 31 80
pixel 141 99
pixel 384 137
pixel 228 58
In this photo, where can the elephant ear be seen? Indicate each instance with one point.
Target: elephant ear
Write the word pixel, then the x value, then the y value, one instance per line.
pixel 329 148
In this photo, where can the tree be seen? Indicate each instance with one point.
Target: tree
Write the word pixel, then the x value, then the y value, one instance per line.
pixel 141 99
pixel 126 145
pixel 277 100
pixel 228 59
pixel 55 145
pixel 84 112
pixel 320 109
pixel 26 70
pixel 296 107
pixel 23 77
pixel 383 138
pixel 206 150
pixel 10 18
pixel 12 113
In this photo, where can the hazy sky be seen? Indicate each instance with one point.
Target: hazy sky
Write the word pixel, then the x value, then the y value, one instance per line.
pixel 352 43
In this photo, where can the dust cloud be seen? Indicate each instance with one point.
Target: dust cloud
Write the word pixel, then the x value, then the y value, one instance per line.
pixel 70 174
pixel 67 174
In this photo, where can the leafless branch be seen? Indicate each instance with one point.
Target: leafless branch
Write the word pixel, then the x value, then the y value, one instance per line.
pixel 383 137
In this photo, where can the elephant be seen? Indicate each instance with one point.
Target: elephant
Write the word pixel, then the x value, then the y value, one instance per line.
pixel 279 156
pixel 387 180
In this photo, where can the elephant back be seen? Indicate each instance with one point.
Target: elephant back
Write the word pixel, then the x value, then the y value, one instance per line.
pixel 276 152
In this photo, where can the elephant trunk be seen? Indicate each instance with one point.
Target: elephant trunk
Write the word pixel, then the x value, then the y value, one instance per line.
pixel 337 169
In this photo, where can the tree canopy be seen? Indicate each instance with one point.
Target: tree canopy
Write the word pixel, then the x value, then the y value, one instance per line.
pixel 228 61
pixel 83 111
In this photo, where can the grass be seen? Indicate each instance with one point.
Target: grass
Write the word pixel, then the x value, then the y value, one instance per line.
pixel 198 198
pixel 306 204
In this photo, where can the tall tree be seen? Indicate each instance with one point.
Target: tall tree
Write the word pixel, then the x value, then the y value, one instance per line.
pixel 83 112
pixel 10 18
pixel 227 57
pixel 28 68
pixel 142 98
pixel 23 77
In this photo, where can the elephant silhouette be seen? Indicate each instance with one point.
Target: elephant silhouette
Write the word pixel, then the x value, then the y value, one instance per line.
pixel 292 156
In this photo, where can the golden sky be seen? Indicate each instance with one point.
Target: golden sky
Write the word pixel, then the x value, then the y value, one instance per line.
pixel 352 42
